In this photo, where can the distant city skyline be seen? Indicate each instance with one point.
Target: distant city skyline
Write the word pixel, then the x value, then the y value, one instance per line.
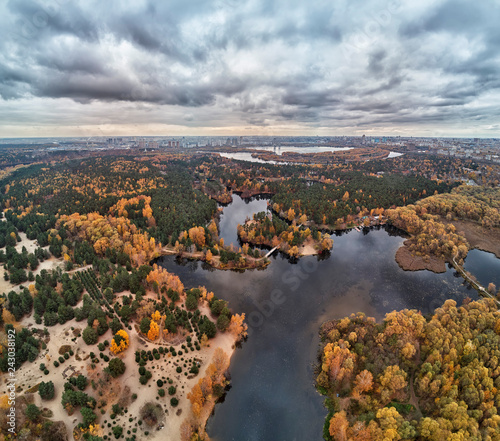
pixel 249 68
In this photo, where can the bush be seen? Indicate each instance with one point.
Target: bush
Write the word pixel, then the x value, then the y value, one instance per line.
pixel 46 390
pixel 159 383
pixel 144 325
pixel 174 402
pixel 208 328
pixel 90 336
pixel 161 392
pixel 88 416
pixel 116 367
pixel 172 390
pixel 179 369
pixel 217 306
pixel 222 323
pixel 56 363
pixel 117 431
pixel 32 412
pixel 191 302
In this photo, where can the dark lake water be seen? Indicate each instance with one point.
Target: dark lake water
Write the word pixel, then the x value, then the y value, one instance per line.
pixel 273 396
pixel 236 214
pixel 485 266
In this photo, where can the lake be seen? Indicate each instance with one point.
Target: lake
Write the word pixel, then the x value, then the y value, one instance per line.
pixel 315 149
pixel 485 266
pixel 273 397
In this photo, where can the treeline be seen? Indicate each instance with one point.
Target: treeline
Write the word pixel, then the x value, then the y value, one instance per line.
pixel 479 204
pixel 431 235
pixel 36 194
pixel 353 194
pixel 411 378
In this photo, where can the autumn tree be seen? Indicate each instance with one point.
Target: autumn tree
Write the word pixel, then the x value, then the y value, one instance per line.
pixel 120 342
pixel 154 331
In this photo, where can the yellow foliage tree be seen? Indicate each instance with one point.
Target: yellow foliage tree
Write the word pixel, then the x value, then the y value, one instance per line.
pixel 237 326
pixel 120 342
pixel 156 316
pixel 154 330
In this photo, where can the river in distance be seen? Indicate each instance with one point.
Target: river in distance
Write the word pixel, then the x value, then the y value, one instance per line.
pixel 247 156
pixel 272 396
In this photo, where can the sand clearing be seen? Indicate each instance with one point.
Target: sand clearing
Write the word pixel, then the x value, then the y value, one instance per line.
pixel 30 375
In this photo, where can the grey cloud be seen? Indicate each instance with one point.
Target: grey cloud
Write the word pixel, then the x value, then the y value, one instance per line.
pixel 257 62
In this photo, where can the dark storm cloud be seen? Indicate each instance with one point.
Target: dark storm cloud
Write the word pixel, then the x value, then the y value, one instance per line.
pixel 310 99
pixel 257 62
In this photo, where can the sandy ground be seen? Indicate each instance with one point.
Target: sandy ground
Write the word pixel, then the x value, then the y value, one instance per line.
pixel 307 250
pixel 31 246
pixel 30 375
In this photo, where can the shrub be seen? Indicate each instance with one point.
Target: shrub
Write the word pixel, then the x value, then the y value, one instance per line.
pixel 172 390
pixel 90 336
pixel 117 431
pixel 46 390
pixel 223 323
pixel 174 402
pixel 116 367
pixel 32 412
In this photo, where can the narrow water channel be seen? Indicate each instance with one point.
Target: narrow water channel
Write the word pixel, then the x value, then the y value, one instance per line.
pixel 272 375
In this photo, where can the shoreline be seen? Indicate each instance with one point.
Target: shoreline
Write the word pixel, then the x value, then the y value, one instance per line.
pixel 252 262
pixel 409 262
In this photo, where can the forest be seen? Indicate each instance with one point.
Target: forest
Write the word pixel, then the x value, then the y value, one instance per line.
pixel 99 223
pixel 413 377
pixel 430 220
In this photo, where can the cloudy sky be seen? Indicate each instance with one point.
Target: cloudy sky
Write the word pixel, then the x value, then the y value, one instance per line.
pixel 270 67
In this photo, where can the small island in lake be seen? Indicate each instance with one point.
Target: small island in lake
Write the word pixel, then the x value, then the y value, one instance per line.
pixel 272 231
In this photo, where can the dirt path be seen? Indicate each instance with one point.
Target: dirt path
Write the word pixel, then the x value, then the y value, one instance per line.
pixel 413 397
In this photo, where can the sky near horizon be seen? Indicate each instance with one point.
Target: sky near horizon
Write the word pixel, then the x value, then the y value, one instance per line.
pixel 256 67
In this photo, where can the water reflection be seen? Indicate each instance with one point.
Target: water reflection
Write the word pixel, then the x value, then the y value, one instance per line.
pixel 484 266
pixel 236 213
